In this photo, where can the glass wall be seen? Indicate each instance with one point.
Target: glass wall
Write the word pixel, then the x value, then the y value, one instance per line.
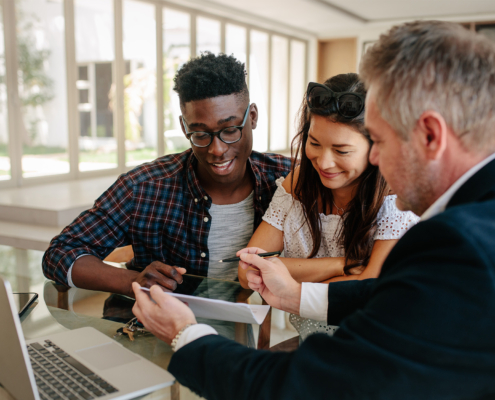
pixel 176 51
pixel 4 132
pixel 95 56
pixel 298 83
pixel 140 112
pixel 208 36
pixel 42 88
pixel 279 93
pixel 258 86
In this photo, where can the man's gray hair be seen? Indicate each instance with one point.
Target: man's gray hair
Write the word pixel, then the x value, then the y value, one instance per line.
pixel 440 66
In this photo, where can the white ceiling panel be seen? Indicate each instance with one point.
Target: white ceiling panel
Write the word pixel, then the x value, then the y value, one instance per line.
pixel 322 16
pixel 377 10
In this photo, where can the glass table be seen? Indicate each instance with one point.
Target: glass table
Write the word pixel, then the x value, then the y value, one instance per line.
pixel 59 308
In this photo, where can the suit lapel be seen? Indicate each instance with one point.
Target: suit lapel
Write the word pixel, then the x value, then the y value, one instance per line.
pixel 480 187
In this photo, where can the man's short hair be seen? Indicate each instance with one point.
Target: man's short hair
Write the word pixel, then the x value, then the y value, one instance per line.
pixel 210 75
pixel 440 66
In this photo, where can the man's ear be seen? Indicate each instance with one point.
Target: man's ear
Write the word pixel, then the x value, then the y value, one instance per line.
pixel 253 114
pixel 433 133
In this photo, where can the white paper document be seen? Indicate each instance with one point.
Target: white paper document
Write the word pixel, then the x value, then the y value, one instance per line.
pixel 224 310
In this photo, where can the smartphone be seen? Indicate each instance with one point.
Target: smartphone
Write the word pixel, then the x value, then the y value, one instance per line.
pixel 23 301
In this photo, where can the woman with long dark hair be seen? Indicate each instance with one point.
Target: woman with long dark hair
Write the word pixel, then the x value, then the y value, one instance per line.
pixel 333 215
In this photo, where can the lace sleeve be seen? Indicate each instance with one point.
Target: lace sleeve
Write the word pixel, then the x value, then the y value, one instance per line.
pixel 279 206
pixel 393 223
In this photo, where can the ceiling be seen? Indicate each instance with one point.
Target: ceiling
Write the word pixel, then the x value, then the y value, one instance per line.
pixel 322 16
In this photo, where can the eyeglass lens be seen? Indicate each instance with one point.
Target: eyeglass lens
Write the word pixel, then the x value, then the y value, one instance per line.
pixel 228 135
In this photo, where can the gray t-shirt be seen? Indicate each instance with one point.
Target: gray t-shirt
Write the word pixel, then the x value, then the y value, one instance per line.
pixel 230 231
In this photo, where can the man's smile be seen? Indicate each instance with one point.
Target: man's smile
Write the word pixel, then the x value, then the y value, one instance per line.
pixel 224 167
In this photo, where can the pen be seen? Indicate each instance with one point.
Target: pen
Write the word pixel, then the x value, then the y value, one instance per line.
pixel 262 255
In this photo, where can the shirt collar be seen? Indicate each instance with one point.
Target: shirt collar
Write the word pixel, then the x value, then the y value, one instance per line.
pixel 441 203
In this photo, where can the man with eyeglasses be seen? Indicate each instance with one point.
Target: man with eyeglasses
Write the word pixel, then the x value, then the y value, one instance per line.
pixel 182 212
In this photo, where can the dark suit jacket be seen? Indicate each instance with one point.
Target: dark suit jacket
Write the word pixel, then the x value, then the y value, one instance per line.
pixel 425 329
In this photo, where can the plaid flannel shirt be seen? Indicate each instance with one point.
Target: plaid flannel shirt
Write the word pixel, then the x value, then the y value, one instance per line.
pixel 159 208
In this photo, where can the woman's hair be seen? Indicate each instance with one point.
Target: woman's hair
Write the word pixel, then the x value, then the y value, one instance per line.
pixel 359 220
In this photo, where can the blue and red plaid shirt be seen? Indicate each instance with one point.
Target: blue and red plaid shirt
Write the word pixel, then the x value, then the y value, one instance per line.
pixel 161 209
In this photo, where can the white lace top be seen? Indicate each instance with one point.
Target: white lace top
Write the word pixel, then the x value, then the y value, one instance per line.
pixel 286 214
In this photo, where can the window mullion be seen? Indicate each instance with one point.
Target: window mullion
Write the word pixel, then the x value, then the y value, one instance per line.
pixel 289 66
pixel 269 97
pixel 160 115
pixel 119 70
pixel 14 106
pixel 72 93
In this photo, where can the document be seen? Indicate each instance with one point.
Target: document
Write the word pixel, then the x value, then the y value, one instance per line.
pixel 224 310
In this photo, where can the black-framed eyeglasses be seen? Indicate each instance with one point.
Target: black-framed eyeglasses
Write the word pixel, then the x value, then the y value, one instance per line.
pixel 322 98
pixel 229 135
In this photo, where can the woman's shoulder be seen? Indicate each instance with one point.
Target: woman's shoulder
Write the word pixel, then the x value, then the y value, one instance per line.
pixel 289 183
pixel 389 209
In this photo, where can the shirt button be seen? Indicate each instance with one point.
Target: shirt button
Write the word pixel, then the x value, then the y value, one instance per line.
pixel 195 200
pixel 203 255
pixel 206 197
pixel 206 219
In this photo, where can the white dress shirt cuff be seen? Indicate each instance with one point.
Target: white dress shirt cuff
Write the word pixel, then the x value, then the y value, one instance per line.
pixel 314 301
pixel 194 332
pixel 69 272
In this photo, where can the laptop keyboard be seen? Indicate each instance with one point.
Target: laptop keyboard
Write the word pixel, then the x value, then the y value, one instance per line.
pixel 60 376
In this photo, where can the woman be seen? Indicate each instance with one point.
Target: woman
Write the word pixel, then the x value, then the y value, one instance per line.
pixel 333 215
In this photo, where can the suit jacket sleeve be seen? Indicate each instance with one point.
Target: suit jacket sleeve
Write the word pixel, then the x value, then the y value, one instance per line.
pixel 425 332
pixel 346 297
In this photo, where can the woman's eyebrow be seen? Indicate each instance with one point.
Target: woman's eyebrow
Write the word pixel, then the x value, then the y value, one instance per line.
pixel 342 145
pixel 312 137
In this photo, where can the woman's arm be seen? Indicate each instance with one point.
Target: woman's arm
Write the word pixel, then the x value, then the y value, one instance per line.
pixel 381 249
pixel 301 269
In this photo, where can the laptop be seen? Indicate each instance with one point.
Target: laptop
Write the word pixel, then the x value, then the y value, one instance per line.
pixel 81 364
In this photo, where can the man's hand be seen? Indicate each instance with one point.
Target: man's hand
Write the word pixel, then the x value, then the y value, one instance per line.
pixel 164 317
pixel 158 273
pixel 270 277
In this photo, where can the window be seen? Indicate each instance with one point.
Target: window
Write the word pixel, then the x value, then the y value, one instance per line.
pixel 176 51
pixel 258 86
pixel 95 55
pixel 140 112
pixel 42 88
pixel 235 41
pixel 4 133
pixel 69 122
pixel 297 85
pixel 208 36
pixel 279 93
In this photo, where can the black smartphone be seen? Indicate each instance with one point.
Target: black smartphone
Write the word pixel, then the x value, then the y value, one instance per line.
pixel 23 301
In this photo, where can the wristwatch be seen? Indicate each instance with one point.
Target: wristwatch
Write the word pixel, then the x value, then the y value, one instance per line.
pixel 176 338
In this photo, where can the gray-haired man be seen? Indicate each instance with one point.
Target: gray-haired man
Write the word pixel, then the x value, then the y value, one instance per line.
pixel 425 328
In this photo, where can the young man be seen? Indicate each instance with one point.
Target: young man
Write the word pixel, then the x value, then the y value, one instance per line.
pixel 425 328
pixel 182 212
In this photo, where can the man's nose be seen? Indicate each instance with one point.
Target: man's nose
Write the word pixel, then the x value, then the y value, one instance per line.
pixel 373 155
pixel 217 147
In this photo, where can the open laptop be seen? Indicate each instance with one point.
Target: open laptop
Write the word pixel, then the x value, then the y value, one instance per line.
pixel 81 364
